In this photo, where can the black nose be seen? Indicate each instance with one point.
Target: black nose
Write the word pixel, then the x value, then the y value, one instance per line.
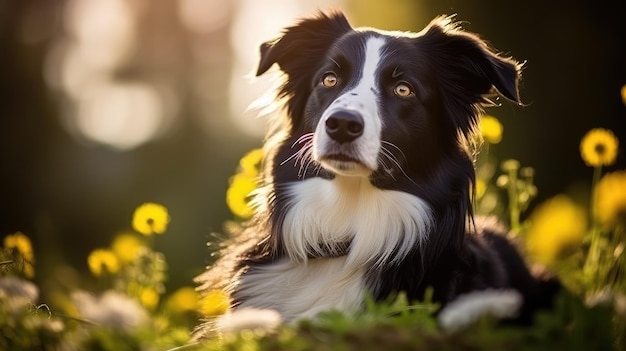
pixel 344 126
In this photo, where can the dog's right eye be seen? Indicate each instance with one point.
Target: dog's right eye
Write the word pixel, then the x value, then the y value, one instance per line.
pixel 329 80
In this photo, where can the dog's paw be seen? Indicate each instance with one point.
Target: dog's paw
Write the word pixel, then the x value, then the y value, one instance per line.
pixel 248 318
pixel 469 307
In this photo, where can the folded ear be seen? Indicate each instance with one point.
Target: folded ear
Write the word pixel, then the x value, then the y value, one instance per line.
pixel 301 45
pixel 298 52
pixel 475 66
pixel 467 70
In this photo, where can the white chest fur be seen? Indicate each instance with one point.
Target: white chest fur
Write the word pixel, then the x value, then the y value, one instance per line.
pixel 381 226
pixel 302 290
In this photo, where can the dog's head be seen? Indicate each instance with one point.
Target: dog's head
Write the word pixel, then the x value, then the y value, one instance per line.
pixel 358 100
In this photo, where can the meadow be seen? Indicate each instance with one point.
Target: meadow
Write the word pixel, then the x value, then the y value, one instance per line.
pixel 128 308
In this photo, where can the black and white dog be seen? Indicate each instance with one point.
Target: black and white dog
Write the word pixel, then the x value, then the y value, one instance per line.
pixel 368 179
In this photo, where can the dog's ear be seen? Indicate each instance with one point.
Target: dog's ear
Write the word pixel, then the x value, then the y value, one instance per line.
pixel 301 45
pixel 298 52
pixel 468 70
pixel 476 67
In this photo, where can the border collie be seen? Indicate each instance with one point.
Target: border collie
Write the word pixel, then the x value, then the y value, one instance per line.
pixel 367 183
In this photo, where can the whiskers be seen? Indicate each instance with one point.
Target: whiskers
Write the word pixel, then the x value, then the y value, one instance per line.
pixel 389 161
pixel 304 156
pixel 391 158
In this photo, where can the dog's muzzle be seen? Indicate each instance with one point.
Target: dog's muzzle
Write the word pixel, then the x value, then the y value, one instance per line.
pixel 347 137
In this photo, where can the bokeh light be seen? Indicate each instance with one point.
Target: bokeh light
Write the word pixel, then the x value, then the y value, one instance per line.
pixel 269 18
pixel 100 106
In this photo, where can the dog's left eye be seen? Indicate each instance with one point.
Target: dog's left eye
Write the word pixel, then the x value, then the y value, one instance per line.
pixel 329 80
pixel 403 89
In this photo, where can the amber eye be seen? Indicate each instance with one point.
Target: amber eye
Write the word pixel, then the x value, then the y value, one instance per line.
pixel 329 80
pixel 403 89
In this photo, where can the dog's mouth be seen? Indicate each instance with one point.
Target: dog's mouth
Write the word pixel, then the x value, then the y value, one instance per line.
pixel 342 158
pixel 345 164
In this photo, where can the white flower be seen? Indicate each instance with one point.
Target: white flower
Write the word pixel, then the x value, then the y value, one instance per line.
pixel 248 318
pixel 18 293
pixel 112 309
pixel 470 307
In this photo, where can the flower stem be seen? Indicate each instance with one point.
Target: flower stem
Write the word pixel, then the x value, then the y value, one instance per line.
pixel 514 211
pixel 591 267
pixel 597 173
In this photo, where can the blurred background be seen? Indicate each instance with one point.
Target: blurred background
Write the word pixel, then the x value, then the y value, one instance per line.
pixel 107 104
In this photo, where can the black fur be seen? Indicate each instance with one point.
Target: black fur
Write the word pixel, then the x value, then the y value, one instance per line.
pixel 453 73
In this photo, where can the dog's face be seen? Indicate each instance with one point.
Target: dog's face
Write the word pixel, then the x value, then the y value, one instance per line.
pixel 360 100
pixel 364 90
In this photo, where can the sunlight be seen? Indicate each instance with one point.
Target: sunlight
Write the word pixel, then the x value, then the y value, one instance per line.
pixel 254 23
pixel 122 115
pixel 201 16
pixel 101 38
pixel 103 31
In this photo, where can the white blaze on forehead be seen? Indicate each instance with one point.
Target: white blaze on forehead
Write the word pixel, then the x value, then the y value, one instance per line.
pixel 373 56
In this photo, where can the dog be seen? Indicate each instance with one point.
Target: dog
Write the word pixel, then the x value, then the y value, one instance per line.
pixel 368 178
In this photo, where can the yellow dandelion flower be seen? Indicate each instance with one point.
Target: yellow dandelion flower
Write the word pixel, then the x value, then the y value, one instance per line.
pixel 243 183
pixel 238 194
pixel 556 225
pixel 23 247
pixel 610 198
pixel 20 242
pixel 149 298
pixel 102 261
pixel 599 147
pixel 491 129
pixel 183 300
pixel 250 163
pixel 151 218
pixel 623 91
pixel 214 303
pixel 126 246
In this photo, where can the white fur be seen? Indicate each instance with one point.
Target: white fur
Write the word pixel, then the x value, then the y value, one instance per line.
pixel 362 99
pixel 248 319
pixel 382 225
pixel 468 308
pixel 297 290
